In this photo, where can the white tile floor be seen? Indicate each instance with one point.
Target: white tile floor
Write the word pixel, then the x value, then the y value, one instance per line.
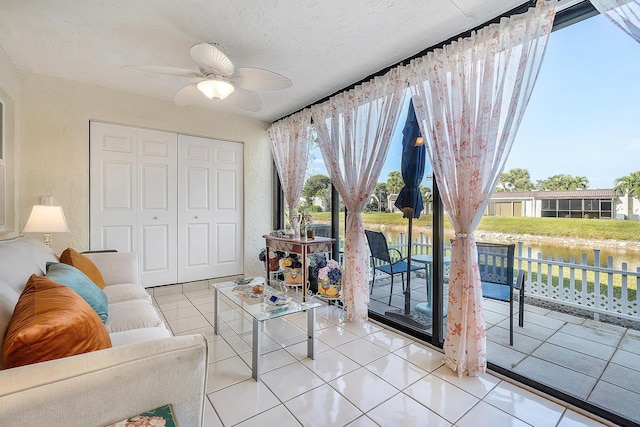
pixel 363 375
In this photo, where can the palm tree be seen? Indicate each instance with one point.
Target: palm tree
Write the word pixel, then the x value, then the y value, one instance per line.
pixel 563 182
pixel 630 183
pixel 395 182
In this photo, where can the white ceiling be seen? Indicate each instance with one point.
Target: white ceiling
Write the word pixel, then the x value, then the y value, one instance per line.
pixel 321 45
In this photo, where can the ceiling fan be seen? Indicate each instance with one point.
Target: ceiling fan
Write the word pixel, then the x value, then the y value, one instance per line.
pixel 220 79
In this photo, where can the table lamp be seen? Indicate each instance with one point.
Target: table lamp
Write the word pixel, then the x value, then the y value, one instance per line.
pixel 46 219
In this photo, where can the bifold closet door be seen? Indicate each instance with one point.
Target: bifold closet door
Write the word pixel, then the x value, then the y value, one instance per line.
pixel 133 197
pixel 176 200
pixel 195 208
pixel 210 208
pixel 228 208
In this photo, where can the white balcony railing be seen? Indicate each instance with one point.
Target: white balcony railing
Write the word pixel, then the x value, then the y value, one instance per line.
pixel 578 284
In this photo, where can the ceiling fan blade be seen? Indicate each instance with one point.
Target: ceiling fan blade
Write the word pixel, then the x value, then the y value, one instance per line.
pixel 188 95
pixel 211 59
pixel 259 79
pixel 245 99
pixel 171 71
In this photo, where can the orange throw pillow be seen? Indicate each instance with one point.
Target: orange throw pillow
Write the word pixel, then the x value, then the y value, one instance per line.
pixel 72 257
pixel 51 321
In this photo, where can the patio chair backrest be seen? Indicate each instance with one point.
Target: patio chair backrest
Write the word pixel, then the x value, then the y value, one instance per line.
pixel 495 261
pixel 378 245
pixel 322 230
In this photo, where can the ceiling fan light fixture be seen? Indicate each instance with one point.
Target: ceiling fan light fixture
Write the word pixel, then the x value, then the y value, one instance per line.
pixel 215 88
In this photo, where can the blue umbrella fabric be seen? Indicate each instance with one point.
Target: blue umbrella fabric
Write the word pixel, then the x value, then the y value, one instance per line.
pixel 409 200
pixel 412 167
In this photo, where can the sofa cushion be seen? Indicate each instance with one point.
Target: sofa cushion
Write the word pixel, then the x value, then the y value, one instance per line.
pixel 51 321
pixel 78 281
pixel 72 257
pixel 132 314
pixel 116 267
pixel 21 257
pixel 126 291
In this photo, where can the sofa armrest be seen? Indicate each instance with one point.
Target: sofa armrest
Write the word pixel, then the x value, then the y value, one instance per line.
pixel 106 386
pixel 116 267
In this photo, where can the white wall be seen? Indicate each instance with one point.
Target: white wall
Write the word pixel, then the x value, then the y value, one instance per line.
pixel 53 157
pixel 10 98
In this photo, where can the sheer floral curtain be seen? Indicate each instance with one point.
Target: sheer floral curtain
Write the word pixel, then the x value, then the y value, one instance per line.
pixel 290 147
pixel 354 130
pixel 469 98
pixel 623 13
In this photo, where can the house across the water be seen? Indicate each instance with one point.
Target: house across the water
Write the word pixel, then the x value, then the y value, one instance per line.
pixel 603 203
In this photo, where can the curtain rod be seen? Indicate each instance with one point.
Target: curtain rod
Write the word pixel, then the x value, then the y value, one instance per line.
pixel 566 12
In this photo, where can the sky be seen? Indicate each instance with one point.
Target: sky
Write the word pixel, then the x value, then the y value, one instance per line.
pixel 583 118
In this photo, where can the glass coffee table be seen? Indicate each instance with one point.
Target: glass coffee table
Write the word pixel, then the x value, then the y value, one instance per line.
pixel 261 310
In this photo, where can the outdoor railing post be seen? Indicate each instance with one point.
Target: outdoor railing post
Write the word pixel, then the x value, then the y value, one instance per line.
pixel 572 279
pixel 550 278
pixel 610 284
pixel 519 256
pixel 596 285
pixel 585 282
pixel 539 275
pixel 561 295
pixel 624 295
pixel 529 270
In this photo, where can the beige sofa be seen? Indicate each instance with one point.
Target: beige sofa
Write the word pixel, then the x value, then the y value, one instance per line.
pixel 146 368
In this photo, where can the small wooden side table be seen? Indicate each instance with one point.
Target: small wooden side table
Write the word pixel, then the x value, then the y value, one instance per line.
pixel 301 246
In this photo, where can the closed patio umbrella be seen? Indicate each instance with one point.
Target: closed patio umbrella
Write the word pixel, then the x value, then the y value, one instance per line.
pixel 410 198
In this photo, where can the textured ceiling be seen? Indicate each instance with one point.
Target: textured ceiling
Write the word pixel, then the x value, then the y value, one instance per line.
pixel 321 45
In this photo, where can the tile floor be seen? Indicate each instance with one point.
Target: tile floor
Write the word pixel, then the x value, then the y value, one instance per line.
pixel 593 361
pixel 363 375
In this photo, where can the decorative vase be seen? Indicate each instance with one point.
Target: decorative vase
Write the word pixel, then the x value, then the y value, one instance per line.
pixel 274 264
pixel 295 225
pixel 303 229
pixel 293 276
pixel 328 289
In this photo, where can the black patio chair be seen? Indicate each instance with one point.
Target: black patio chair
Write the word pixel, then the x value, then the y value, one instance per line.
pixel 382 260
pixel 496 262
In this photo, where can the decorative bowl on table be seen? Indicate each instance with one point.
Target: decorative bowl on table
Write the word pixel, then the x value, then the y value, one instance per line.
pixel 277 300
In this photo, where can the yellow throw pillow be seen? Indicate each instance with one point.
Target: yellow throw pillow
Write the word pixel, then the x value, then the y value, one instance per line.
pixel 51 321
pixel 72 257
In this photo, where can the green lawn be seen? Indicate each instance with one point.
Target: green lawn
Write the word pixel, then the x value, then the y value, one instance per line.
pixel 563 227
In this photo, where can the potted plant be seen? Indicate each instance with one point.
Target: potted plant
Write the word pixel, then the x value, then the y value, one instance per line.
pixel 292 269
pixel 274 258
pixel 329 276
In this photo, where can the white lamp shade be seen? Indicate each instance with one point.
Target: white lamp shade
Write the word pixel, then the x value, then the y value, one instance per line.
pixel 215 88
pixel 46 219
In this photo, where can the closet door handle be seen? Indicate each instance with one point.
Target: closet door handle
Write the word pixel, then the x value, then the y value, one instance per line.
pixel 195 217
pixel 155 217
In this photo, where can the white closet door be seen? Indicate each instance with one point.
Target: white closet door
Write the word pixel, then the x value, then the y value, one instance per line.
pixel 113 187
pixel 195 208
pixel 158 203
pixel 176 200
pixel 228 218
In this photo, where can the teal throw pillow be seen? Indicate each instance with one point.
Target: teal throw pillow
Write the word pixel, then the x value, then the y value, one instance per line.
pixel 81 284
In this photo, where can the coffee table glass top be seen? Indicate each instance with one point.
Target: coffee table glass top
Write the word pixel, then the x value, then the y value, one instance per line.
pixel 261 307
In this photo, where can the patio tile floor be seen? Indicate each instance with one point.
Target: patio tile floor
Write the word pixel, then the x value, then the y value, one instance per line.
pixel 591 360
